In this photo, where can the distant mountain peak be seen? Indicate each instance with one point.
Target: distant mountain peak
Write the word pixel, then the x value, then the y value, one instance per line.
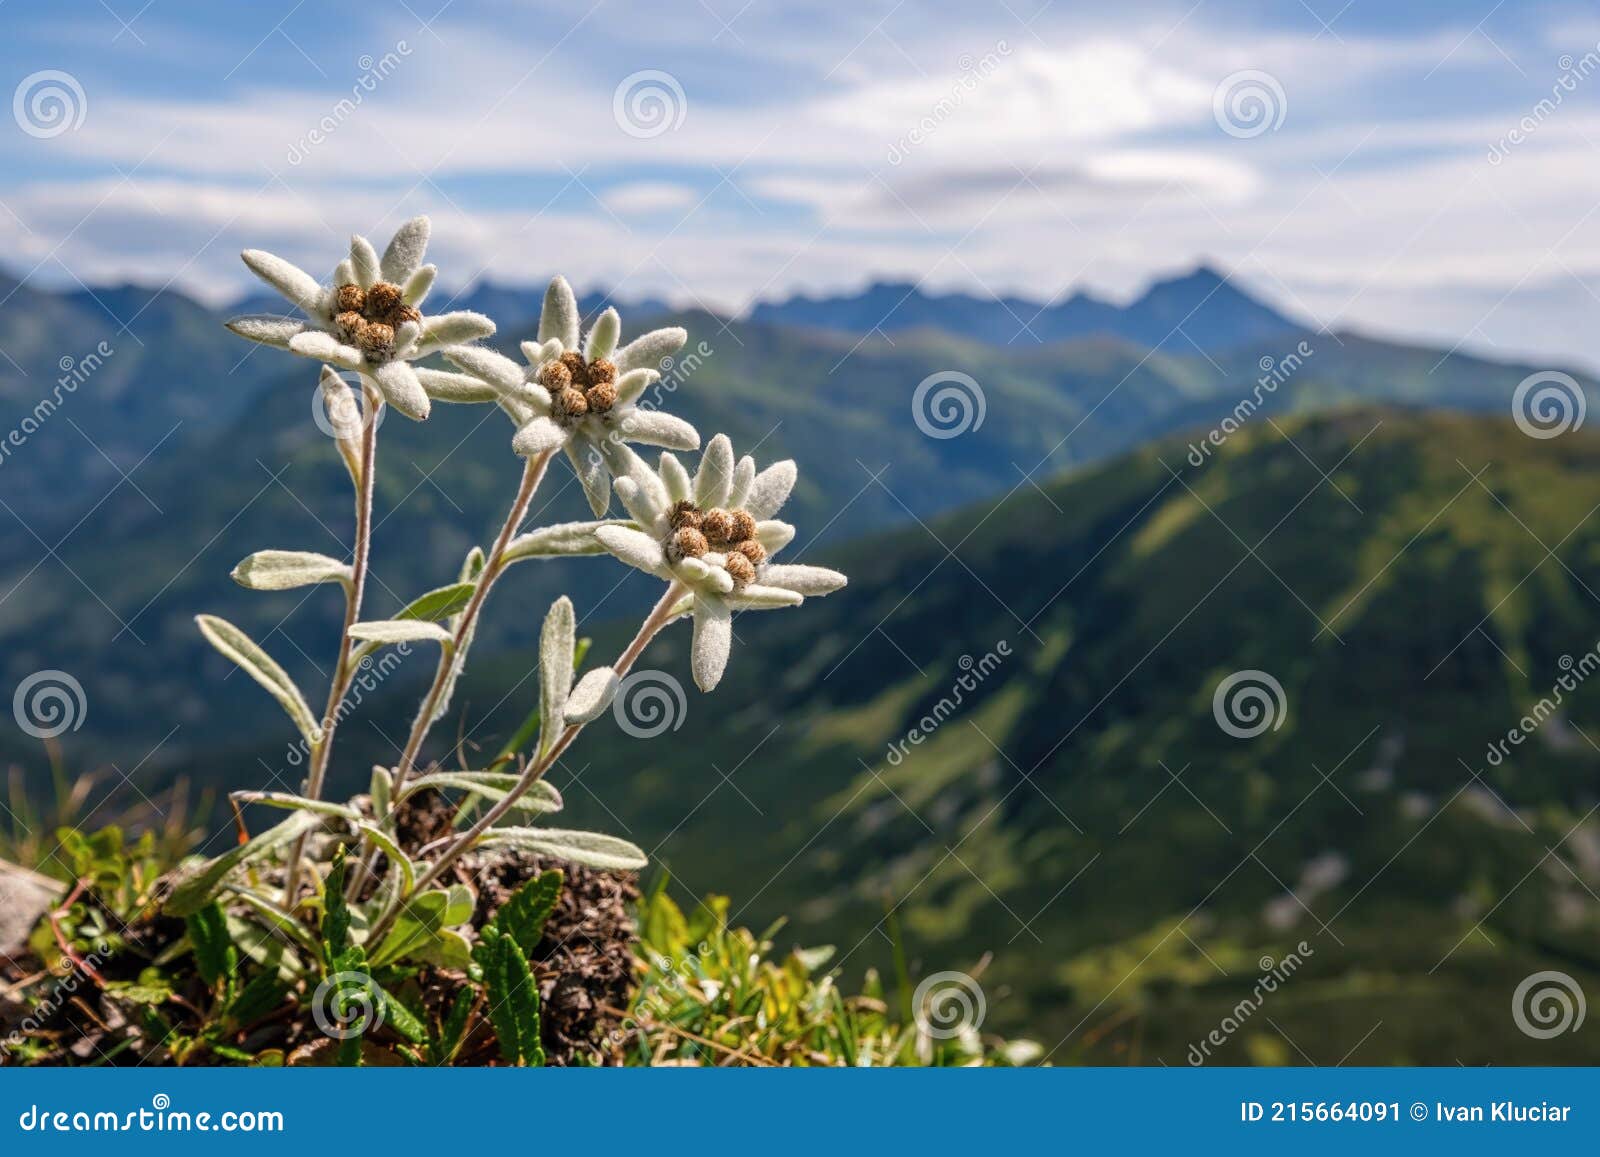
pixel 1201 307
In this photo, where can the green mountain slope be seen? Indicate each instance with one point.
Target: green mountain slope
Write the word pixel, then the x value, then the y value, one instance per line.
pixel 1079 812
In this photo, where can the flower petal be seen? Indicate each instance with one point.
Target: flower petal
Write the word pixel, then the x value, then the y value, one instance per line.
pixel 645 495
pixel 632 385
pixel 646 351
pixel 496 369
pixel 811 581
pixel 404 254
pixel 538 353
pixel 712 480
pixel 653 428
pixel 713 639
pixel 774 535
pixel 314 343
pixel 417 285
pixel 759 597
pixel 443 386
pixel 539 435
pixel 633 547
pixel 592 475
pixel 559 317
pixel 364 260
pixel 744 472
pixel 456 328
pixel 676 478
pixel 290 280
pixel 401 389
pixel 770 489
pixel 603 336
pixel 267 329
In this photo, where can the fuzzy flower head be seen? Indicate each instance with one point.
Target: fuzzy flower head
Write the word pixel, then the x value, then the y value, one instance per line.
pixel 715 534
pixel 582 397
pixel 369 319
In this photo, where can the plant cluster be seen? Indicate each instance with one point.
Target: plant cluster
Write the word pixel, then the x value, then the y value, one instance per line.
pixel 344 902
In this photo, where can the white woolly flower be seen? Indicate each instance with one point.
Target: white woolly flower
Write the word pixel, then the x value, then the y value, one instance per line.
pixel 583 398
pixel 715 534
pixel 369 318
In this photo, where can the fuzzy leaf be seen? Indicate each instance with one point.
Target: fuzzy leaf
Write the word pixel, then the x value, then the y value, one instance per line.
pixel 256 663
pixel 389 847
pixel 522 917
pixel 559 316
pixel 566 538
pixel 456 328
pixel 444 386
pixel 290 280
pixel 591 849
pixel 199 886
pixel 364 260
pixel 556 644
pixel 291 802
pixel 386 631
pixel 591 696
pixel 417 285
pixel 439 603
pixel 647 351
pixel 282 570
pixel 380 790
pixel 513 997
pixel 492 785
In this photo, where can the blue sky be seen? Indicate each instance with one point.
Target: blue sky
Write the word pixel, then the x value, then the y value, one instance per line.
pixel 1406 180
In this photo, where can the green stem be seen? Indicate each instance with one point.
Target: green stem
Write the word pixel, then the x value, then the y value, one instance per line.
pixel 344 668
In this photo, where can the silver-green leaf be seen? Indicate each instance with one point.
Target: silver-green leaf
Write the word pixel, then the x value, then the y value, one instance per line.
pixel 261 667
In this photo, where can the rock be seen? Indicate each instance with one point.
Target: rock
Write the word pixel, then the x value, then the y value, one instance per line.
pixel 25 898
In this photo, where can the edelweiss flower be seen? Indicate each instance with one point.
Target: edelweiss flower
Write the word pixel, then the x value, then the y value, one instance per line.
pixel 583 399
pixel 369 320
pixel 715 534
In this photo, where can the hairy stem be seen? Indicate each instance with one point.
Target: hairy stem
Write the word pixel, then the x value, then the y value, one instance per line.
pixel 658 618
pixel 454 653
pixel 343 669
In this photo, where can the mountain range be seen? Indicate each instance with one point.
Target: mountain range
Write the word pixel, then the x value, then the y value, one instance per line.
pixel 1099 526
